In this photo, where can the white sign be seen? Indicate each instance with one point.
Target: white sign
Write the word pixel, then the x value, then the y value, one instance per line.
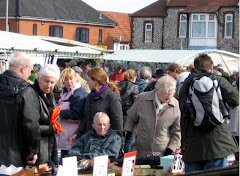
pixel 100 166
pixel 70 166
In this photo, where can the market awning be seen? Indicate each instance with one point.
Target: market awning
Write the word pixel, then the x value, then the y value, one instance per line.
pixel 13 42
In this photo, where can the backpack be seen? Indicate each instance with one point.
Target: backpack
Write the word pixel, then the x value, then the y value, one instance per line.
pixel 208 109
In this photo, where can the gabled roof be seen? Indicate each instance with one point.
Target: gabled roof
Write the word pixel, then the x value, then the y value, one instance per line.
pixel 71 11
pixel 121 32
pixel 202 5
pixel 156 9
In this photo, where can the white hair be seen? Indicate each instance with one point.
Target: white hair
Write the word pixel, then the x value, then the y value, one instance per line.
pixel 101 114
pixel 166 83
pixel 145 73
pixel 49 70
pixel 19 59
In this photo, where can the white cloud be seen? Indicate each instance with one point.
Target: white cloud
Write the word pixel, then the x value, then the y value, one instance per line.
pixel 126 6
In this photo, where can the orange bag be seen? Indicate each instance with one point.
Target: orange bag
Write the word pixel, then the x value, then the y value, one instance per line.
pixel 54 118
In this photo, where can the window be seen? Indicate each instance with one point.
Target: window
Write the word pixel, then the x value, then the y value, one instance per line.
pixel 100 35
pixel 124 47
pixel 183 26
pixel 82 35
pixel 148 32
pixel 56 31
pixel 228 26
pixel 34 29
pixel 203 26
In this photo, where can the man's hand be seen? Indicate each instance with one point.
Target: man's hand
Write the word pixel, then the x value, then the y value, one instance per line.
pixel 167 152
pixel 73 139
pixel 31 159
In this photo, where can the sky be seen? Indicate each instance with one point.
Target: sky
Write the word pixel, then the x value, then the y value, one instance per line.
pixel 124 6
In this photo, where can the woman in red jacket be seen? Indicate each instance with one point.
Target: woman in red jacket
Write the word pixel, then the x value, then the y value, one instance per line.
pixel 118 75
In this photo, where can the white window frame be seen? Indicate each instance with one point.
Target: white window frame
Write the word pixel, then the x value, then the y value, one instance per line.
pixel 148 30
pixel 181 23
pixel 227 21
pixel 207 22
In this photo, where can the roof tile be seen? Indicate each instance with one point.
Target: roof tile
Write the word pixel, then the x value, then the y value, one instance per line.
pixel 123 30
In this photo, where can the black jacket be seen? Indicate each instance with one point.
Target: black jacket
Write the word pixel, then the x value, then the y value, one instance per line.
pixel 48 145
pixel 128 92
pixel 19 127
pixel 108 102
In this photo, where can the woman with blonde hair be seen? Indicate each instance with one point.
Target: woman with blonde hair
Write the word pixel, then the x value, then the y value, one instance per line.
pixel 128 92
pixel 104 97
pixel 72 101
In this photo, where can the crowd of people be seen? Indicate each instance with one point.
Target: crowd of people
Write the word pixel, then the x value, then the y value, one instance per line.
pixel 104 114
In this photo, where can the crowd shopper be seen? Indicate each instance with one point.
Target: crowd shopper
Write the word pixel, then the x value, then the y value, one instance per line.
pixel 104 97
pixel 157 116
pixel 82 81
pixel 145 75
pixel 95 113
pixel 158 74
pixel 19 127
pixel 118 75
pixel 44 85
pixel 206 149
pixel 128 93
pixel 72 102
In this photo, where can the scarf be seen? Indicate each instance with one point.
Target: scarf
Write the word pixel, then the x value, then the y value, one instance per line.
pixel 93 94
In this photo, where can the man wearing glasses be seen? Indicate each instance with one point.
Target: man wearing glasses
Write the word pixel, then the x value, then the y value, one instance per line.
pixel 19 109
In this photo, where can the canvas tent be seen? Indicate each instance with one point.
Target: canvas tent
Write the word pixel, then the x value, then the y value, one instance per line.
pixel 45 48
pixel 184 57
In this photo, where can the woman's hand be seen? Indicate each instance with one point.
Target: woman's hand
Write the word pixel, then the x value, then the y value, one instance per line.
pixel 55 130
pixel 73 139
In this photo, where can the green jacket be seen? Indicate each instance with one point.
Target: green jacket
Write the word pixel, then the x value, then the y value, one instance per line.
pixel 198 145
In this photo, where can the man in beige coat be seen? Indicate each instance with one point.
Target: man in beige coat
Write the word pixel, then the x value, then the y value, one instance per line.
pixel 157 117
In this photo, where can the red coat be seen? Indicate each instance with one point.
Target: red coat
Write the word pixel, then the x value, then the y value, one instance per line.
pixel 117 78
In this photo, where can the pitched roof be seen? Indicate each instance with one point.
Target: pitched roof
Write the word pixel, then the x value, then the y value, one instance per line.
pixel 121 32
pixel 156 9
pixel 73 11
pixel 202 5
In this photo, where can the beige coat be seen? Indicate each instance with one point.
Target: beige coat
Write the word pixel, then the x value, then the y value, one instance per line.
pixel 156 133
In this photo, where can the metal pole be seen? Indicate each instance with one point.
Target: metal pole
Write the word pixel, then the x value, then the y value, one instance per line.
pixel 7 15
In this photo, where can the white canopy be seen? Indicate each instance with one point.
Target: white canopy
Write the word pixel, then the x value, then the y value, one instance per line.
pixel 13 42
pixel 184 57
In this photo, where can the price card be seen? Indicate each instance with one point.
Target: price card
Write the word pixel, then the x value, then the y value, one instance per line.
pixel 70 166
pixel 129 161
pixel 100 166
pixel 178 164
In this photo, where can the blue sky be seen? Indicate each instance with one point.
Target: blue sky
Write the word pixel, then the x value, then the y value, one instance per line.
pixel 124 6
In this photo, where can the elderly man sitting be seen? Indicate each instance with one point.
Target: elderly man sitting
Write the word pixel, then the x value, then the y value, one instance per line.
pixel 101 140
pixel 157 116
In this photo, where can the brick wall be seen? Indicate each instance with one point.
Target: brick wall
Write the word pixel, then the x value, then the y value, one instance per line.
pixel 69 30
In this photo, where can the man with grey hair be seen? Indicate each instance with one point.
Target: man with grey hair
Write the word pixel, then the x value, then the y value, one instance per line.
pixel 19 109
pixel 145 74
pixel 157 115
pixel 99 141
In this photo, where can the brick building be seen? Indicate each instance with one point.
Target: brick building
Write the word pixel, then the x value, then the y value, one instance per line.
pixel 69 19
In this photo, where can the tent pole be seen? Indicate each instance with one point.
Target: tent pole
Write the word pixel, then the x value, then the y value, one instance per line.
pixel 7 16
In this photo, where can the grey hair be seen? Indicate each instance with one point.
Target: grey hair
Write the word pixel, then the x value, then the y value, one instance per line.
pixel 19 59
pixel 49 70
pixel 145 73
pixel 101 114
pixel 166 83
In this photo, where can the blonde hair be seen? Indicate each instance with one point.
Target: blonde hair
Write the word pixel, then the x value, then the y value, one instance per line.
pixel 68 72
pixel 100 76
pixel 129 74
